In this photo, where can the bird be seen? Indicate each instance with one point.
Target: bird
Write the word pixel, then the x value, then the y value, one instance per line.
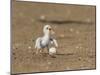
pixel 46 40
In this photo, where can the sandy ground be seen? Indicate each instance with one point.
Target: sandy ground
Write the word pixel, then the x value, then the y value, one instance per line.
pixel 75 32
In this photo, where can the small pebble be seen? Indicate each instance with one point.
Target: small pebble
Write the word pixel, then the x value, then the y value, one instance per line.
pixel 71 29
pixel 47 67
pixel 21 14
pixel 13 47
pixel 80 47
pixel 29 47
pixel 88 20
pixel 79 58
pixel 62 35
pixel 15 57
pixel 33 40
pixel 77 47
pixel 49 63
pixel 42 17
pixel 55 26
pixel 82 65
pixel 68 68
pixel 68 12
pixel 77 32
pixel 13 53
pixel 32 20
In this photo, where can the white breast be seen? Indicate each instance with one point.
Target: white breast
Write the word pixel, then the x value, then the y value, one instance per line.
pixel 45 41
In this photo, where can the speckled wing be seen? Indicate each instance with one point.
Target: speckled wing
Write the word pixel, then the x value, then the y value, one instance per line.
pixel 54 41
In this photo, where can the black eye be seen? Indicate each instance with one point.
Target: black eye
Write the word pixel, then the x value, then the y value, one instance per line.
pixel 47 27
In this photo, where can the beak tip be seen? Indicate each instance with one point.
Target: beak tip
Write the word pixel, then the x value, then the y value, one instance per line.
pixel 53 32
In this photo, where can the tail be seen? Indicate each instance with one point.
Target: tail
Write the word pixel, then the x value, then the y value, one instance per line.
pixel 37 43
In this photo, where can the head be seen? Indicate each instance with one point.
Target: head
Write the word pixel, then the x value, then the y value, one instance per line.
pixel 48 30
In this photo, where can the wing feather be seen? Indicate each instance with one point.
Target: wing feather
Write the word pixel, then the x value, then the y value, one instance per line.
pixel 53 41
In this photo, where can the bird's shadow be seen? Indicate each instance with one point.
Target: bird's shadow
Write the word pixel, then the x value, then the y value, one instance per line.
pixel 58 54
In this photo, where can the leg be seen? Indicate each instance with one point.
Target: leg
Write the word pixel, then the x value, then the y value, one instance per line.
pixel 37 51
pixel 41 50
pixel 48 49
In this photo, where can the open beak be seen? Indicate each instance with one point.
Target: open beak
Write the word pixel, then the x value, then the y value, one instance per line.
pixel 52 31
